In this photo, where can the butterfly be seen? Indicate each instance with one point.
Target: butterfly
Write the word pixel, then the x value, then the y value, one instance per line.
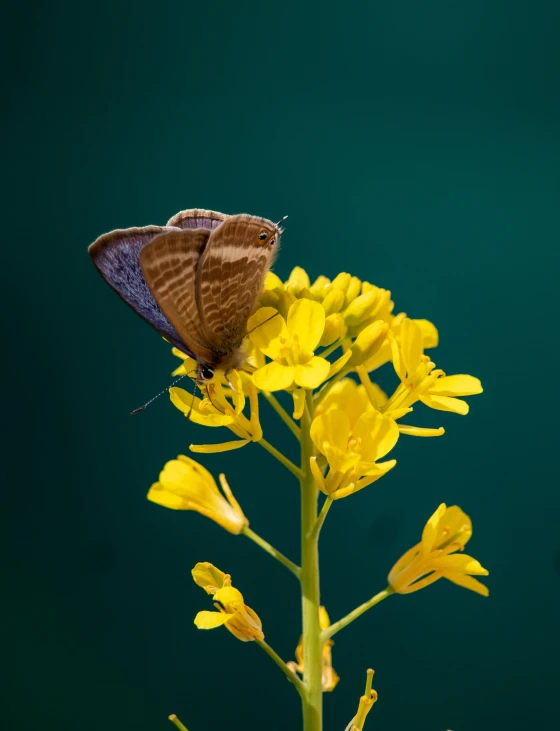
pixel 195 280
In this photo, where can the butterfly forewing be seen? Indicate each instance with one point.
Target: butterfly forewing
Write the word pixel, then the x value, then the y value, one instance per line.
pixel 169 264
pixel 230 276
pixel 116 256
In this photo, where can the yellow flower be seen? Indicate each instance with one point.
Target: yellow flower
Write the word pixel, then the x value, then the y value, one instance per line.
pixel 420 380
pixel 352 450
pixel 384 354
pixel 185 485
pixel 222 407
pixel 329 676
pixel 232 612
pixel 291 344
pixel 447 531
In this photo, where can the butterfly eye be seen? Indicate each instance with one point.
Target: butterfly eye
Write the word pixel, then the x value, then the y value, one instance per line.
pixel 272 242
pixel 262 236
pixel 206 372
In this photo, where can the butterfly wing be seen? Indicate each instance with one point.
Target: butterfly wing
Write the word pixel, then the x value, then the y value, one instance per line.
pixel 197 218
pixel 169 264
pixel 230 276
pixel 116 255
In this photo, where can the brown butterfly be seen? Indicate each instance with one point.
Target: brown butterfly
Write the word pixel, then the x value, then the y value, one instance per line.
pixel 195 280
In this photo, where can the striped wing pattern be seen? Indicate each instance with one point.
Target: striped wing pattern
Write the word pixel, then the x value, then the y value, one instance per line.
pixel 230 276
pixel 169 264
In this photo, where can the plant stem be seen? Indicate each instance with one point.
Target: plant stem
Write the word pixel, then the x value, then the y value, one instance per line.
pixel 272 551
pixel 322 515
pixel 292 677
pixel 282 413
pixel 280 457
pixel 312 646
pixel 337 626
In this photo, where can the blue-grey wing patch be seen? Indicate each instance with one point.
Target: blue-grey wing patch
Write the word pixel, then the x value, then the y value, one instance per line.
pixel 116 256
pixel 197 218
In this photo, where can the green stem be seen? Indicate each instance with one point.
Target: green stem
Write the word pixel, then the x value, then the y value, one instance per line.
pixel 173 718
pixel 337 626
pixel 322 515
pixel 282 413
pixel 272 551
pixel 331 348
pixel 312 646
pixel 292 677
pixel 280 457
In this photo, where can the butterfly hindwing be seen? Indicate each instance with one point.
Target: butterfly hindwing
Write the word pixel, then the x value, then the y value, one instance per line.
pixel 116 255
pixel 230 276
pixel 169 264
pixel 197 218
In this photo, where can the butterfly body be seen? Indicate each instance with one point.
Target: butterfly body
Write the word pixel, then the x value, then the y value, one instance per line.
pixel 195 280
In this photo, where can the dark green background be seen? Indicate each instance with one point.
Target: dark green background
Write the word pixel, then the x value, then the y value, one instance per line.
pixel 415 144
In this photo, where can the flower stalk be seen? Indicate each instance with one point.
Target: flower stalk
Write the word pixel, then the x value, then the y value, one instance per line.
pixel 296 571
pixel 355 613
pixel 310 600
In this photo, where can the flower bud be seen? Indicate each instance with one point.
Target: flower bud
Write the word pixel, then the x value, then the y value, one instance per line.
pixel 333 301
pixel 368 342
pixel 334 329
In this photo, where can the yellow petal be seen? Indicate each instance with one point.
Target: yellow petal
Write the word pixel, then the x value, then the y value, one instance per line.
pixel 265 327
pixel 306 321
pixel 274 377
pixel 445 403
pixel 412 345
pixel 213 448
pixel 335 329
pixel 210 620
pixel 332 428
pixel 459 385
pixel 429 333
pixel 468 583
pixel 320 287
pixel 361 308
pixel 368 342
pixel 312 373
pixel 161 496
pixel 229 595
pixel 318 475
pixel 419 431
pixel 184 401
pixel 352 291
pixel 430 532
pixel 342 281
pixel 298 278
pixel 272 281
pixel 458 563
pixel 299 402
pixel 333 301
pixel 384 467
pixel 210 578
pixel 377 433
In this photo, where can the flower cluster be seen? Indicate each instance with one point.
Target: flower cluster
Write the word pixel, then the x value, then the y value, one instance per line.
pixel 321 343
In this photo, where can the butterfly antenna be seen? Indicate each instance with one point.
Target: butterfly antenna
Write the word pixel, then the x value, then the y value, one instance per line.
pixel 141 408
pixel 210 399
pixel 262 323
pixel 281 220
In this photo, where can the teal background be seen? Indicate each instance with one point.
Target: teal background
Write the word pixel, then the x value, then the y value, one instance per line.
pixel 413 144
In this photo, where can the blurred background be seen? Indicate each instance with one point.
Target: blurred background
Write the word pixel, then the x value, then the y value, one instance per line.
pixel 415 145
